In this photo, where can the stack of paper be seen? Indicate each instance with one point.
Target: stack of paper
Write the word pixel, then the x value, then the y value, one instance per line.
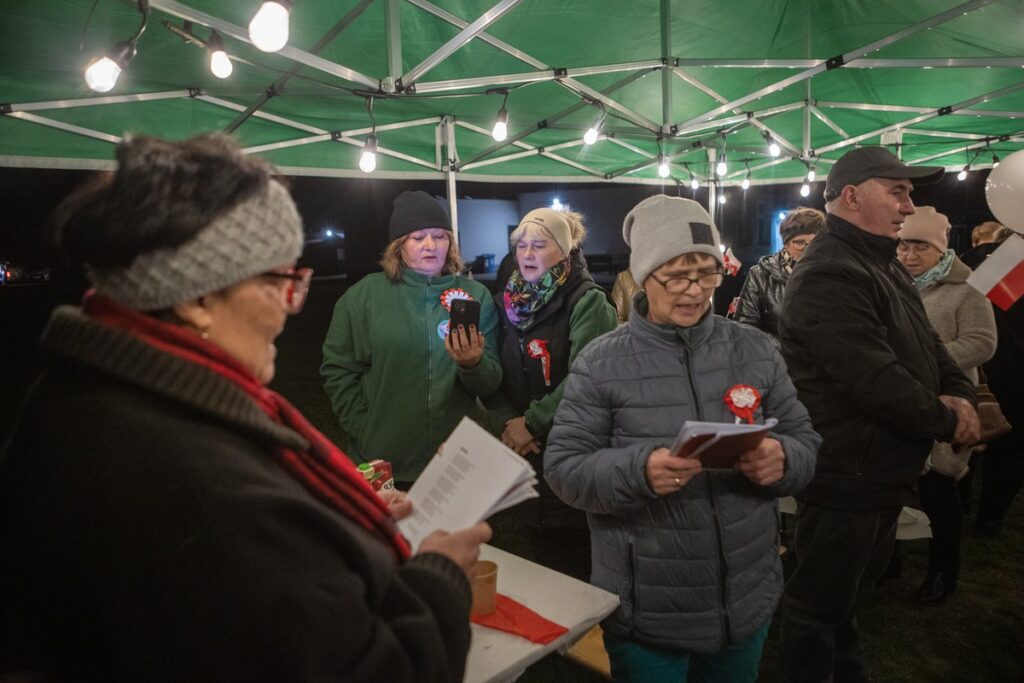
pixel 719 444
pixel 472 477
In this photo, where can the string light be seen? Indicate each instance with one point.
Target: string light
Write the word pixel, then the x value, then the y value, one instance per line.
pixel 220 63
pixel 268 29
pixel 805 190
pixel 368 157
pixel 664 170
pixel 694 183
pixel 811 174
pixel 746 179
pixel 773 147
pixel 962 175
pixel 721 197
pixel 722 168
pixel 101 74
pixel 590 137
pixel 500 130
pixel 995 161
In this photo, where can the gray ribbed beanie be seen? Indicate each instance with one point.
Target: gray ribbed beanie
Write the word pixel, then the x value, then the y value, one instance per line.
pixel 660 228
pixel 261 233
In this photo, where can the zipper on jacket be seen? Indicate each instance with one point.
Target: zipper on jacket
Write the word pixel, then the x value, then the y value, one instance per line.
pixel 723 568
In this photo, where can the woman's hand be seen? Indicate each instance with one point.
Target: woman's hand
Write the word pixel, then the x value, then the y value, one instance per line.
pixel 466 347
pixel 461 547
pixel 398 503
pixel 764 465
pixel 517 437
pixel 667 473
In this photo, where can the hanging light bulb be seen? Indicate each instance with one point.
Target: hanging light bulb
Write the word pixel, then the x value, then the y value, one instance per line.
pixel 722 168
pixel 664 170
pixel 805 190
pixel 721 198
pixel 101 75
pixel 368 159
pixel 774 149
pixel 995 161
pixel 220 63
pixel 962 175
pixel 268 29
pixel 811 174
pixel 500 130
pixel 694 183
pixel 590 137
pixel 746 182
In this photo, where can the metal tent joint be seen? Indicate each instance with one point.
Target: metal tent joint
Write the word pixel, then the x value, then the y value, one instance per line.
pixel 272 91
pixel 560 72
pixel 835 62
pixel 5 107
pixel 945 111
pixel 194 92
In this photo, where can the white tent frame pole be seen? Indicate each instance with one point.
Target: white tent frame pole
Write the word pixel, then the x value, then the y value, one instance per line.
pixel 461 38
pixel 568 82
pixel 393 42
pixel 522 145
pixel 841 60
pixel 665 16
pixel 1015 137
pixel 227 104
pixel 919 110
pixel 712 179
pixel 530 76
pixel 183 11
pixel 827 121
pixel 451 158
pixel 95 101
pixel 864 63
pixel 924 117
pixel 60 125
pixel 946 134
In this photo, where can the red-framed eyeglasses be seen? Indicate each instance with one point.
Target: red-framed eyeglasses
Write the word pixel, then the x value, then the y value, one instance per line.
pixel 298 287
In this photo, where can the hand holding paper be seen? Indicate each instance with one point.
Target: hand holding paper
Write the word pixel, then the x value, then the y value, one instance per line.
pixel 765 464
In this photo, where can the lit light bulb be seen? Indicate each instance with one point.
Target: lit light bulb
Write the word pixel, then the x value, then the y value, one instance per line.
pixel 746 183
pixel 556 204
pixel 694 183
pixel 774 149
pixel 328 232
pixel 368 159
pixel 811 175
pixel 500 130
pixel 722 168
pixel 995 161
pixel 590 137
pixel 268 30
pixel 962 175
pixel 663 168
pixel 102 74
pixel 220 64
pixel 721 198
pixel 805 190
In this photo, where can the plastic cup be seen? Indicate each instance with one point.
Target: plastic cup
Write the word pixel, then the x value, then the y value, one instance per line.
pixel 485 587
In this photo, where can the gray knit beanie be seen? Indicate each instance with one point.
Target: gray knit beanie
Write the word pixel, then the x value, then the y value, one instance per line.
pixel 259 234
pixel 660 228
pixel 416 211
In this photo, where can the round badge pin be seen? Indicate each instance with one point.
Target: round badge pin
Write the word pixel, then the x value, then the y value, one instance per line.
pixel 442 329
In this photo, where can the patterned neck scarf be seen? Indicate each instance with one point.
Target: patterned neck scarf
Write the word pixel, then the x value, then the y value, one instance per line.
pixel 523 299
pixel 936 273
pixel 323 469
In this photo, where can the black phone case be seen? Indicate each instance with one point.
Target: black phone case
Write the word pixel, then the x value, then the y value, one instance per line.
pixel 466 313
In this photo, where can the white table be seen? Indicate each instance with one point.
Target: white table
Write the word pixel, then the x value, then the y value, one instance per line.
pixel 495 656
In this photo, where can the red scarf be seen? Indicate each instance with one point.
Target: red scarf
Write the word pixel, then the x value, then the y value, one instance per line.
pixel 323 469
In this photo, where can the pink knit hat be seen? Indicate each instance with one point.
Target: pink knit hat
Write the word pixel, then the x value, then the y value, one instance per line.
pixel 927 225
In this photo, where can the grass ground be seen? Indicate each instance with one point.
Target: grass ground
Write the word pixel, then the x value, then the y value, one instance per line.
pixel 978 636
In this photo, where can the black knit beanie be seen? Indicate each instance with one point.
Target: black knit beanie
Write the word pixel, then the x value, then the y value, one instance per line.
pixel 416 211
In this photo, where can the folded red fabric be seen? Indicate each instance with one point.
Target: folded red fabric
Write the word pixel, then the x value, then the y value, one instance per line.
pixel 518 619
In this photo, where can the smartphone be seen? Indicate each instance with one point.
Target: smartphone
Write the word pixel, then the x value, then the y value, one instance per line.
pixel 464 312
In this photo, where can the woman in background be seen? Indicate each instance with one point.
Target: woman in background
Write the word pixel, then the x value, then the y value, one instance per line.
pixel 761 296
pixel 166 517
pixel 398 381
pixel 963 318
pixel 550 309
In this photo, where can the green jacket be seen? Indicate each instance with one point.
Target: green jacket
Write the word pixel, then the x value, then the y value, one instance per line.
pixel 396 391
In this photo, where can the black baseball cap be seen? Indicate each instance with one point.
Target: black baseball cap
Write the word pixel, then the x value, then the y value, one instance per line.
pixel 860 164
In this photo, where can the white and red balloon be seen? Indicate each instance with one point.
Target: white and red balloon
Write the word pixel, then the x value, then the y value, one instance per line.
pixel 1004 191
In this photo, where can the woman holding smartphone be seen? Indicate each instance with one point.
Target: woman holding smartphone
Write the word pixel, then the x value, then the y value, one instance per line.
pixel 550 309
pixel 397 380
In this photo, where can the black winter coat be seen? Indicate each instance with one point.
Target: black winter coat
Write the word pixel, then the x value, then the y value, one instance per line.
pixel 869 368
pixel 761 296
pixel 147 533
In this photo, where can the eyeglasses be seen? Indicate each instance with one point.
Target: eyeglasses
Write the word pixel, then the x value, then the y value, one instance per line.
pixel 678 285
pixel 915 246
pixel 297 288
pixel 799 244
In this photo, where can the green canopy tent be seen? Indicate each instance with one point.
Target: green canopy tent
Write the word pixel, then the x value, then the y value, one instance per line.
pixel 693 81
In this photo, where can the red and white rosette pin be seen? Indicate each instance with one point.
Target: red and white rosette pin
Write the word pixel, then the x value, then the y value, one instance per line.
pixel 743 400
pixel 538 349
pixel 450 295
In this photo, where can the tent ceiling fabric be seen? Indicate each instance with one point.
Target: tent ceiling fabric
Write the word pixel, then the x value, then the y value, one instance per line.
pixel 944 79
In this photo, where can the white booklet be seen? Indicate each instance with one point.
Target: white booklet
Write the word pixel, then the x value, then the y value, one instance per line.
pixel 472 477
pixel 719 444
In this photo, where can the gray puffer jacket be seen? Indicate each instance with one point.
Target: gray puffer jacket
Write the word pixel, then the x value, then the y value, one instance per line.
pixel 698 569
